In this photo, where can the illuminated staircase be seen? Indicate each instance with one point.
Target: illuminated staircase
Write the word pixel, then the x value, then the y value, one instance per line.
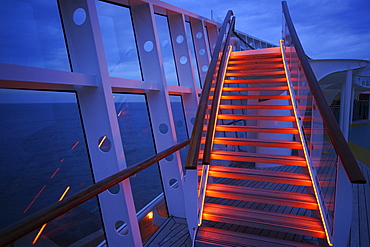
pixel 259 191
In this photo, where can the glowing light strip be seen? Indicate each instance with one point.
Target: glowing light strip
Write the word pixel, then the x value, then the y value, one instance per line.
pixel 102 141
pixel 34 199
pixel 39 233
pixel 202 194
pixel 55 173
pixel 64 193
pixel 44 225
pixel 314 185
pixel 75 145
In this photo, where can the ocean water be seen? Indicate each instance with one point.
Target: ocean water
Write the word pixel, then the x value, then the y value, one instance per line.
pixel 43 154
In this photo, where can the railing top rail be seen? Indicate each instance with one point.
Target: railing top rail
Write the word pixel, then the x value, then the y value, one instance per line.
pixel 349 162
pixel 21 228
pixel 191 161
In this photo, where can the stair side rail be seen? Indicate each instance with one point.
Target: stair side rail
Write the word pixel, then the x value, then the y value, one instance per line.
pixel 333 166
pixel 194 194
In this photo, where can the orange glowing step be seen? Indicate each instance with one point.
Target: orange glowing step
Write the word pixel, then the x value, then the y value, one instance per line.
pixel 256 80
pixel 279 107
pixel 268 196
pixel 257 142
pixel 295 224
pixel 210 236
pixel 254 66
pixel 256 73
pixel 279 88
pixel 256 117
pixel 236 128
pixel 255 97
pixel 292 178
pixel 245 61
pixel 260 158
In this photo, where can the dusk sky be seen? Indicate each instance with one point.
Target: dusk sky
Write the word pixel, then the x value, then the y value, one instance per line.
pixel 327 28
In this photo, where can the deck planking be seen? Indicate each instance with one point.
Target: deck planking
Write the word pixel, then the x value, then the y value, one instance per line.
pixel 360 228
pixel 174 231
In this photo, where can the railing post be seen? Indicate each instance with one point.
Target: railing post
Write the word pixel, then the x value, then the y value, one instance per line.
pixel 87 56
pixel 343 208
pixel 190 184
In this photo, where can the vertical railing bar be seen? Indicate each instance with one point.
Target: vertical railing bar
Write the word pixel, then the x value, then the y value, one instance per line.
pixel 315 184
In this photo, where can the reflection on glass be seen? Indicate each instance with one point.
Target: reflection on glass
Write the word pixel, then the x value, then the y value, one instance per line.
pixel 138 145
pixel 166 50
pixel 119 41
pixel 31 34
pixel 44 160
pixel 192 52
pixel 320 147
pixel 180 125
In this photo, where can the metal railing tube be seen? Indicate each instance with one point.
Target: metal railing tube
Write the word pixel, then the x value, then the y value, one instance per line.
pixel 195 140
pixel 211 129
pixel 349 162
pixel 21 228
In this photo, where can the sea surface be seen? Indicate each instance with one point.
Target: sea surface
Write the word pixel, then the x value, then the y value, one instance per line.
pixel 43 155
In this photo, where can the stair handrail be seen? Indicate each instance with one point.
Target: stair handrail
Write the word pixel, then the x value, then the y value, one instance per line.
pixel 36 220
pixel 196 136
pixel 212 121
pixel 348 160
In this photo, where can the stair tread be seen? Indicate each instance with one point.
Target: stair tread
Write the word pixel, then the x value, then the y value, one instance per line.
pixel 280 107
pixel 255 97
pixel 285 130
pixel 258 142
pixel 256 80
pixel 219 237
pixel 255 73
pixel 265 51
pixel 268 196
pixel 262 117
pixel 274 156
pixel 264 219
pixel 261 172
pixel 269 88
pixel 253 66
pixel 259 158
pixel 256 117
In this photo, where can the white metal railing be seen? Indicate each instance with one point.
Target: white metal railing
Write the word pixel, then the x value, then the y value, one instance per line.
pixel 363 81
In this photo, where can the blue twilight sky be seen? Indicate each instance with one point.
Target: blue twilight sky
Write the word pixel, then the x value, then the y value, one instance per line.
pixel 327 28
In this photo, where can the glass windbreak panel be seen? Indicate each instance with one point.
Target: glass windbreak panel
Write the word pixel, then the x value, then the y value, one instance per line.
pixel 138 145
pixel 166 50
pixel 43 159
pixel 119 41
pixel 189 38
pixel 180 124
pixel 31 34
pixel 78 227
pixel 325 160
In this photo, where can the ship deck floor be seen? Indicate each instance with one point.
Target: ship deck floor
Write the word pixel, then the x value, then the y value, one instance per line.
pixel 174 231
